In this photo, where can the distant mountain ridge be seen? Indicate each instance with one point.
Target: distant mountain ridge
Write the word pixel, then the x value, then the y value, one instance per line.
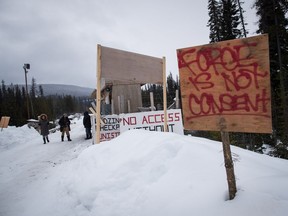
pixel 60 89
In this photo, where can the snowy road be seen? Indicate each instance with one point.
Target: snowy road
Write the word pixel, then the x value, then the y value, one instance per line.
pixel 25 161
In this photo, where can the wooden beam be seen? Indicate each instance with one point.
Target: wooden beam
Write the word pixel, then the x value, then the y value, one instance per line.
pixel 164 95
pixel 98 95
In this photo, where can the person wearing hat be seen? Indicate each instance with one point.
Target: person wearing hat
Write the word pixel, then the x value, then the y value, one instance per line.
pixel 64 123
pixel 44 127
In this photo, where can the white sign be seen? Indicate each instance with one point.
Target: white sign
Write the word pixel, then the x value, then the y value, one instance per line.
pixel 152 121
pixel 111 127
pixel 109 130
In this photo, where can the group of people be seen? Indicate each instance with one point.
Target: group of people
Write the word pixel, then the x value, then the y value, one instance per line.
pixel 64 123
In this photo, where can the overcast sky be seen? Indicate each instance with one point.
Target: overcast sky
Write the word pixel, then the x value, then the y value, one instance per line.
pixel 59 37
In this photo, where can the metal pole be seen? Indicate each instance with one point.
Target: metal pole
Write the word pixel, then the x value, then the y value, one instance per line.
pixel 27 100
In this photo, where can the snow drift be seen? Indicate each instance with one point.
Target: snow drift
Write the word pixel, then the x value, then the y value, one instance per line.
pixel 139 173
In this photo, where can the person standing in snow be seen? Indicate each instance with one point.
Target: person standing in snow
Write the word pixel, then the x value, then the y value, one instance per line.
pixel 87 125
pixel 44 127
pixel 64 123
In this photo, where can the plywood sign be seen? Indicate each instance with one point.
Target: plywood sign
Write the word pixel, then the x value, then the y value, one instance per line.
pixel 226 86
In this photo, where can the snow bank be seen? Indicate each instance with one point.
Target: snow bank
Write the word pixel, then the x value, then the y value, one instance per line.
pixel 141 173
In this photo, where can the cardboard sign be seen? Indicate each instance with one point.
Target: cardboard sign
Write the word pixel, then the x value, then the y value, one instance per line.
pixel 152 121
pixel 226 86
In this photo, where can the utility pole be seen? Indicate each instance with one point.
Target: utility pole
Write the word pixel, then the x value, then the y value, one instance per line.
pixel 27 67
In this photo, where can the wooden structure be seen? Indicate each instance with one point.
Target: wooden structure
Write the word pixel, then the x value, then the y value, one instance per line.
pixel 119 98
pixel 126 71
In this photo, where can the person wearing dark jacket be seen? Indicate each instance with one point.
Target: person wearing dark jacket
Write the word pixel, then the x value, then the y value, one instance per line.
pixel 44 127
pixel 87 125
pixel 64 123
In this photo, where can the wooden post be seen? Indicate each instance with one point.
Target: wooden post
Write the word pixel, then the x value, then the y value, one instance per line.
pixel 177 99
pixel 164 95
pixel 112 107
pixel 98 96
pixel 129 106
pixel 119 104
pixel 122 104
pixel 152 101
pixel 228 160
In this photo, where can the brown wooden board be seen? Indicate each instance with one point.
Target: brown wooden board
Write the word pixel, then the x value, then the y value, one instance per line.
pixel 226 86
pixel 129 67
pixel 4 121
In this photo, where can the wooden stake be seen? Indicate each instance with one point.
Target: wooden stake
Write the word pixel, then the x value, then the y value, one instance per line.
pixel 112 107
pixel 177 100
pixel 129 106
pixel 164 95
pixel 119 104
pixel 98 96
pixel 152 101
pixel 228 160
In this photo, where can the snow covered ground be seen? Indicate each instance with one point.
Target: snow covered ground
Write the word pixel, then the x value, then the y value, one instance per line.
pixel 139 173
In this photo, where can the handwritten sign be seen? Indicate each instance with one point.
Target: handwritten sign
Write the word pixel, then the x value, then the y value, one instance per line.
pixel 152 121
pixel 111 127
pixel 226 85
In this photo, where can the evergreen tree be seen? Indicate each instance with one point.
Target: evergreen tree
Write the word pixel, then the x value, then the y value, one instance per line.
pixel 171 89
pixel 20 104
pixel 33 94
pixel 227 22
pixel 214 11
pixel 41 92
pixel 244 32
pixel 273 20
pixel 33 90
pixel 225 17
pixel 230 20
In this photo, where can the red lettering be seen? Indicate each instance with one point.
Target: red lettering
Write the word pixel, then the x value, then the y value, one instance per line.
pixel 144 120
pixel 229 104
pixel 177 117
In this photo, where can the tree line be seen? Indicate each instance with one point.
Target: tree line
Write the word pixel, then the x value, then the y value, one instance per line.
pixel 13 103
pixel 172 86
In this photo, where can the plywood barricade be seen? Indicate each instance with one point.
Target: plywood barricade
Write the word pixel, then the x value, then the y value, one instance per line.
pixel 128 68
